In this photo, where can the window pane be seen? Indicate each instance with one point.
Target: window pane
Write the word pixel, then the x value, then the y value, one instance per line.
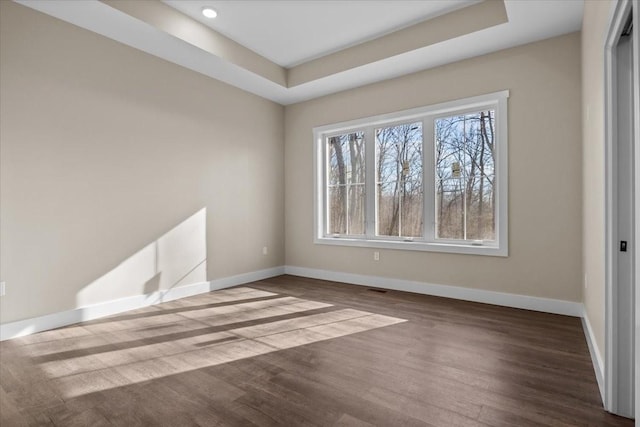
pixel 356 209
pixel 465 196
pixel 345 179
pixel 399 198
pixel 338 210
pixel 412 208
pixel 388 201
pixel 480 212
pixel 449 209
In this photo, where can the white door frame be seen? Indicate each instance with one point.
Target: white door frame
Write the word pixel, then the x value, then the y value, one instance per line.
pixel 636 124
pixel 617 20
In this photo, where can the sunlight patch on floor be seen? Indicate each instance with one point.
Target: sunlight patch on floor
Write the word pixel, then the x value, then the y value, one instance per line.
pixel 141 348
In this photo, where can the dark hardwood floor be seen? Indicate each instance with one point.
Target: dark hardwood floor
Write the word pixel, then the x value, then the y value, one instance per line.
pixel 300 352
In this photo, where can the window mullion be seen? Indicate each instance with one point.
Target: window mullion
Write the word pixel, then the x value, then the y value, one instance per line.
pixel 370 184
pixel 428 178
pixel 464 179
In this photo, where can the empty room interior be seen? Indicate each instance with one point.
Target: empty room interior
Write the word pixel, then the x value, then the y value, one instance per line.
pixel 319 213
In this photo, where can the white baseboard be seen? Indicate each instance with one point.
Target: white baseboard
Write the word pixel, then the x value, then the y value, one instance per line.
pixel 547 305
pixel 594 351
pixel 81 314
pixel 241 279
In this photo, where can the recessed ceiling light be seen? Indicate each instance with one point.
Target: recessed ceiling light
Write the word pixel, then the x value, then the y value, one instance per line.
pixel 209 12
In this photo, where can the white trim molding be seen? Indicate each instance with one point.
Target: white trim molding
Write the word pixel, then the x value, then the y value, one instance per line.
pixel 594 352
pixel 56 320
pixel 618 361
pixel 547 305
pixel 636 126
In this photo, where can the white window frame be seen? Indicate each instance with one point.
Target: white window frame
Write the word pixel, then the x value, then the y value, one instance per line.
pixel 496 101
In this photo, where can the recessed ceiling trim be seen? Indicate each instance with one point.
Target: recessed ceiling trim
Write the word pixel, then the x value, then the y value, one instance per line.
pixel 452 5
pixel 173 22
pixel 466 20
pixel 97 17
pixel 529 21
pixel 449 26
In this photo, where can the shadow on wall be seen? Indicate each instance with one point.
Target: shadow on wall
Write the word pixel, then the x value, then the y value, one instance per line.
pixel 175 259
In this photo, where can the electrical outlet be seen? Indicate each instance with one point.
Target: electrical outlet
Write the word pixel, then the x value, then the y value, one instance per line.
pixel 376 256
pixel 3 288
pixel 265 250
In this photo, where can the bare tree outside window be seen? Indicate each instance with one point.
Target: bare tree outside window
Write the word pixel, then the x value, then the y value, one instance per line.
pixel 465 172
pixel 346 184
pixel 399 198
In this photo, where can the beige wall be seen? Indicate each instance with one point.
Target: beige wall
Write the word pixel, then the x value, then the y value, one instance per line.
pixel 594 27
pixel 545 190
pixel 113 165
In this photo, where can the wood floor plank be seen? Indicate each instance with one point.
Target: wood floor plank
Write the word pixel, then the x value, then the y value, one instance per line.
pixel 347 420
pixel 9 410
pixel 298 323
pixel 304 352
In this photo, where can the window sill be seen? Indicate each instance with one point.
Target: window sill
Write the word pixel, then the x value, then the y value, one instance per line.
pixel 452 248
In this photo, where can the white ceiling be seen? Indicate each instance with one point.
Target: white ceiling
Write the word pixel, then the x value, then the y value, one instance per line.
pixel 287 32
pixel 292 32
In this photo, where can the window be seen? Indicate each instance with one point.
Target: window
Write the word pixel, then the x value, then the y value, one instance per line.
pixel 465 174
pixel 399 198
pixel 432 178
pixel 345 184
